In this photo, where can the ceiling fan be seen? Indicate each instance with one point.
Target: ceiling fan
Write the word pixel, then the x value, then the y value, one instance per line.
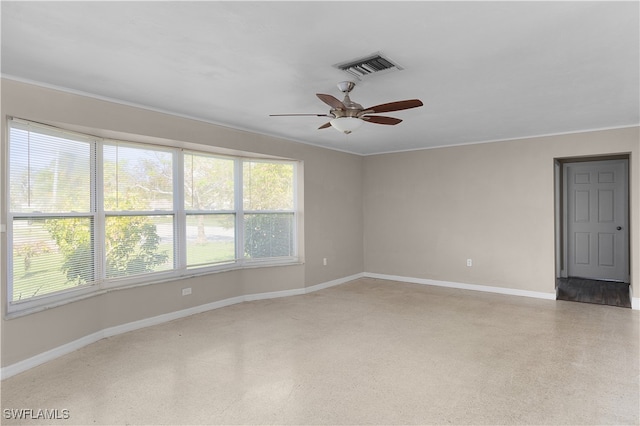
pixel 346 116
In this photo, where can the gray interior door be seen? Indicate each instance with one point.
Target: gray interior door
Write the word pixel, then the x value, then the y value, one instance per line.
pixel 597 220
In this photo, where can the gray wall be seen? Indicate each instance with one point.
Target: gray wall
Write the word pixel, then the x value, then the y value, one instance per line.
pixel 428 211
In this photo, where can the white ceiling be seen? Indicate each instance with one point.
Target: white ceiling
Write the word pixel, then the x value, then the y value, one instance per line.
pixel 484 70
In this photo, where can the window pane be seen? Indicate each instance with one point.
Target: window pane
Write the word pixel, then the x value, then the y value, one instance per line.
pixel 267 186
pixel 208 183
pixel 50 255
pixel 137 179
pixel 210 239
pixel 268 235
pixel 48 174
pixel 138 244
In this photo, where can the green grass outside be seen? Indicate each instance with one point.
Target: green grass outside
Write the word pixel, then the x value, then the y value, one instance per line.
pixel 45 276
pixel 210 252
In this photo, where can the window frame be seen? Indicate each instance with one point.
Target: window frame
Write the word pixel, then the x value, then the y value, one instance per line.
pixel 213 212
pixel 258 261
pixel 104 214
pixel 99 216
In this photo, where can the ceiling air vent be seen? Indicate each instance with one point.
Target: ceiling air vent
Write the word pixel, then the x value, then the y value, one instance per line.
pixel 374 64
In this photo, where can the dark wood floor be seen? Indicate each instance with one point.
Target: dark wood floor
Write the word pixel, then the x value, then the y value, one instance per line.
pixel 593 291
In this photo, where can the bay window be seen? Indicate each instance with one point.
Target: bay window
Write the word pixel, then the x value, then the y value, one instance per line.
pixel 87 213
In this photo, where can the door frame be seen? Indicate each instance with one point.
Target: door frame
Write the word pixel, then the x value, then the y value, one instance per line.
pixel 560 202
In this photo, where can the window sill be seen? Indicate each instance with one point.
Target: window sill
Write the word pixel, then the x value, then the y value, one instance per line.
pixel 28 307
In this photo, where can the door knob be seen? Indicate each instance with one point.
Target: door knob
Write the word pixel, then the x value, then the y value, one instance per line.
pixel 619 228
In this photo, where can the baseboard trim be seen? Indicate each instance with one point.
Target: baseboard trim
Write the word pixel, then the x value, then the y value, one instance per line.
pixel 50 355
pixel 462 286
pixel 333 283
pixel 635 303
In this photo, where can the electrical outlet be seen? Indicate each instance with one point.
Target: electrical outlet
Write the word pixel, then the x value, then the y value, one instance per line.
pixel 186 291
pixel 324 261
pixel 469 262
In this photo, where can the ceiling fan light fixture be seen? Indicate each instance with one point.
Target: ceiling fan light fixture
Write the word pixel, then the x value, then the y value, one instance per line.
pixel 347 115
pixel 346 125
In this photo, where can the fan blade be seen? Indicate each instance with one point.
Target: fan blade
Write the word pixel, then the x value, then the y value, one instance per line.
pixel 300 115
pixel 325 125
pixel 381 119
pixel 394 106
pixel 331 101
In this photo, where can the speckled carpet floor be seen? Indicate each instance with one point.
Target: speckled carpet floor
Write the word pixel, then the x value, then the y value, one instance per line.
pixel 366 352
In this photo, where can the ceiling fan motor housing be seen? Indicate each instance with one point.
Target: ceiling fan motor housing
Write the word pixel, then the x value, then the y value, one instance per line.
pixel 353 109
